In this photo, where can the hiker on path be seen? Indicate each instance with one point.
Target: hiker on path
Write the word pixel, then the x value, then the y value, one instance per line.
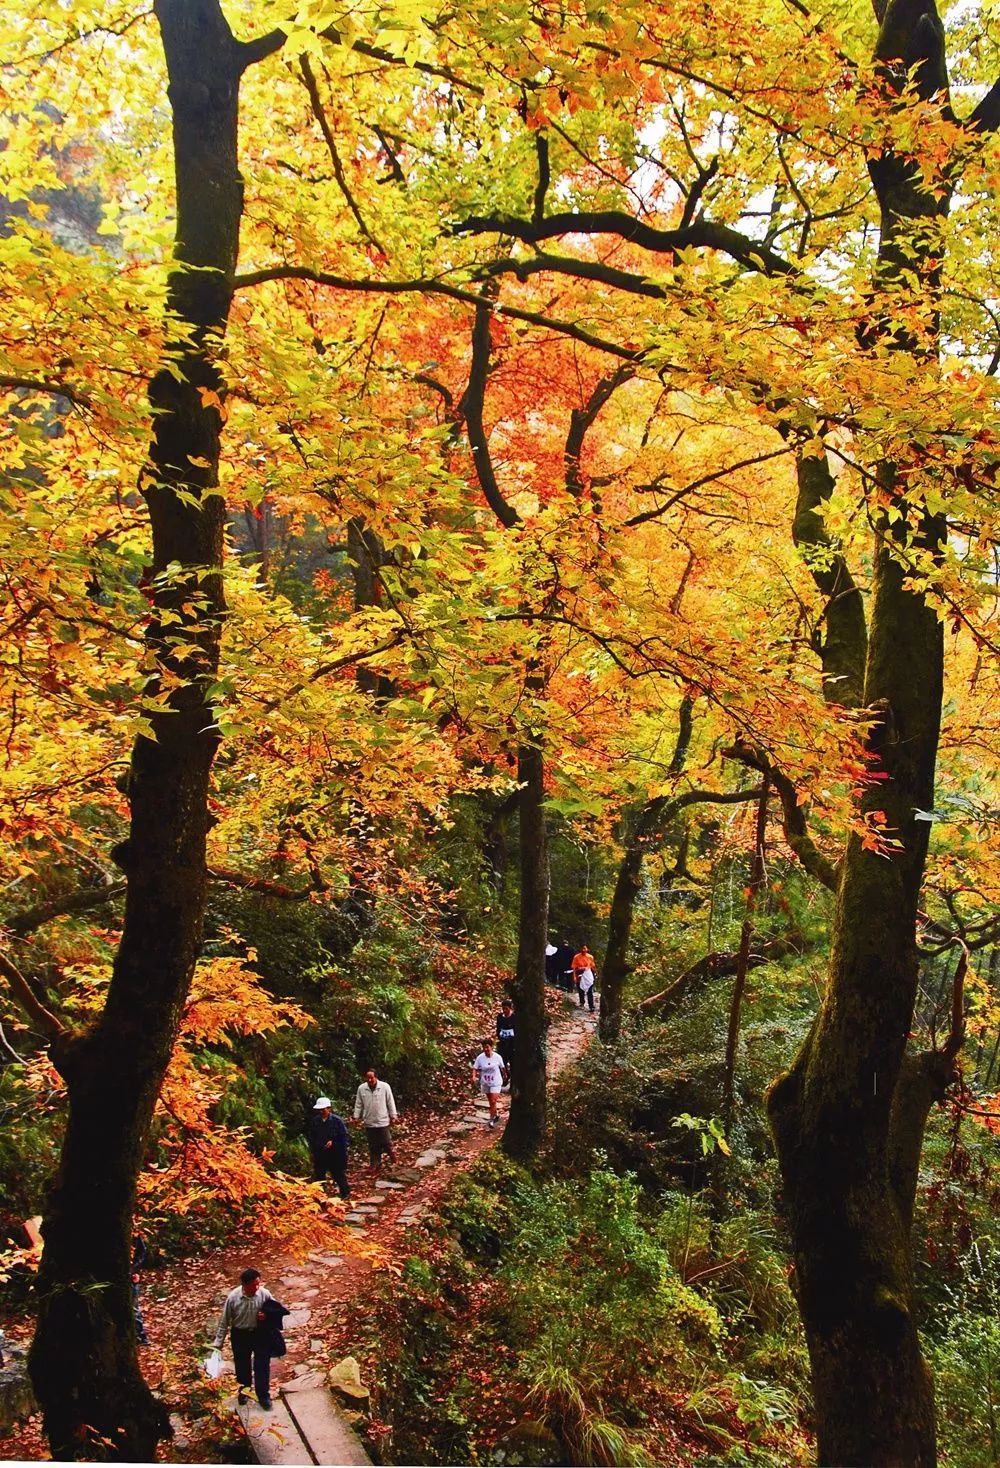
pixel 139 1256
pixel 505 1034
pixel 489 1074
pixel 242 1313
pixel 563 962
pixel 584 976
pixel 328 1145
pixel 552 974
pixel 375 1108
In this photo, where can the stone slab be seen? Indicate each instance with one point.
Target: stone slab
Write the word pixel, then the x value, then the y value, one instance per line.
pixel 331 1261
pixel 330 1439
pixel 307 1381
pixel 295 1318
pixel 386 1185
pixel 273 1437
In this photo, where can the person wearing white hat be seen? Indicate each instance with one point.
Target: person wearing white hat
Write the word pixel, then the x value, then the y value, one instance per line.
pixel 328 1145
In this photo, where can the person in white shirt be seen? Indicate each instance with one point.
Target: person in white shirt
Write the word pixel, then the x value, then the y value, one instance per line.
pixel 241 1315
pixel 375 1109
pixel 489 1073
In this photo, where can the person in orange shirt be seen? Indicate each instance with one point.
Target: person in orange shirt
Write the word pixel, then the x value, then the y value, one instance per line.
pixel 584 976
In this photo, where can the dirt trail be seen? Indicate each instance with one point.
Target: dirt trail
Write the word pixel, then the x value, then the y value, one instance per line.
pixel 319 1288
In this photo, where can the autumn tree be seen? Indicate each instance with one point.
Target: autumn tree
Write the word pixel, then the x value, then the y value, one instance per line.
pixel 849 1115
pixel 83 1360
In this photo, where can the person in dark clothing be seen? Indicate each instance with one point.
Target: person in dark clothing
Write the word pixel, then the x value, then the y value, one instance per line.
pixel 505 1034
pixel 564 966
pixel 328 1145
pixel 139 1256
pixel 551 964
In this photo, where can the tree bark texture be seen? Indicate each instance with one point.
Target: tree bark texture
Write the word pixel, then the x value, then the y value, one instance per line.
pixel 842 644
pixel 83 1361
pixel 833 1112
pixel 848 1117
pixel 526 1121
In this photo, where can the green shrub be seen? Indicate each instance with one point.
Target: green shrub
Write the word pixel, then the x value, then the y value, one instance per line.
pixel 30 1135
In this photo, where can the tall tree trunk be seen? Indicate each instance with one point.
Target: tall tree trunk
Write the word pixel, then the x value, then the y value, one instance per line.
pixel 848 1117
pixel 627 884
pixel 83 1361
pixel 526 1122
pixel 758 872
pixel 832 1112
pixel 640 838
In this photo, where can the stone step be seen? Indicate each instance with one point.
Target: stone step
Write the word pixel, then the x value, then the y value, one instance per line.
pixel 273 1437
pixel 321 1427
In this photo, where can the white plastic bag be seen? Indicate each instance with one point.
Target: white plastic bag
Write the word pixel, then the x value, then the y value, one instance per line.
pixel 213 1365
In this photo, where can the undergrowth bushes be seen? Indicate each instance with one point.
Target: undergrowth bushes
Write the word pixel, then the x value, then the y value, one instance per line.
pixel 569 1321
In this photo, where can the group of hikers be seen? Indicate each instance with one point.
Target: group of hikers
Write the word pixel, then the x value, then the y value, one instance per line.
pixel 568 970
pixel 375 1105
pixel 374 1109
pixel 251 1315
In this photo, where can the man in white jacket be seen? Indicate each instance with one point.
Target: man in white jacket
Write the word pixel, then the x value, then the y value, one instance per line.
pixel 375 1109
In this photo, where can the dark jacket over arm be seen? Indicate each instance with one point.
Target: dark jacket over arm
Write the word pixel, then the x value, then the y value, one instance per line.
pixel 268 1333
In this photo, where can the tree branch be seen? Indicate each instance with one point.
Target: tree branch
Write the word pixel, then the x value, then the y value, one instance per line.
pixel 250 52
pixel 718 966
pixel 52 389
pixel 956 1033
pixel 319 112
pixel 582 420
pixel 646 515
pixel 698 235
pixel 472 403
pixel 985 116
pixel 546 264
pixel 80 900
pixel 542 187
pixel 259 884
pixel 436 288
pixel 793 816
pixel 49 1025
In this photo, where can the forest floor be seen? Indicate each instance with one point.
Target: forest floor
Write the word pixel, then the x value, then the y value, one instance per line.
pixel 324 1288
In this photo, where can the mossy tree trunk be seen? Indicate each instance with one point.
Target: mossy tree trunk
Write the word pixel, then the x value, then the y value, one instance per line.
pixel 83 1361
pixel 849 1116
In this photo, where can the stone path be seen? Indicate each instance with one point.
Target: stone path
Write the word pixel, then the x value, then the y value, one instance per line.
pixel 305 1425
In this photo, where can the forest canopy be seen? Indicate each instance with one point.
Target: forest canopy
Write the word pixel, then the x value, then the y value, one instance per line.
pixel 478 479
